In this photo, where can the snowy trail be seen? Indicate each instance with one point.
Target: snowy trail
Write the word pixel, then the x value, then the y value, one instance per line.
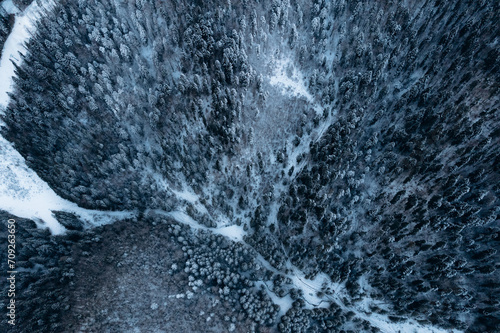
pixel 233 232
pixel 377 320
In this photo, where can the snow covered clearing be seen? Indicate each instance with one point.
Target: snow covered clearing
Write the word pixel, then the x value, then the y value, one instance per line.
pixel 22 192
pixel 290 79
pixel 233 232
pixel 186 195
pixel 310 288
pixel 182 217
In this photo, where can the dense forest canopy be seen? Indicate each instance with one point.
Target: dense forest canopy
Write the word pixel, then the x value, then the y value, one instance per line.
pixel 357 140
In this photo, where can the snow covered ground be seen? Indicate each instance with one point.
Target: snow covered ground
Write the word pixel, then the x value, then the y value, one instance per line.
pixel 9 7
pixel 21 32
pixel 233 232
pixel 285 302
pixel 311 287
pixel 290 79
pixel 192 198
pixel 23 193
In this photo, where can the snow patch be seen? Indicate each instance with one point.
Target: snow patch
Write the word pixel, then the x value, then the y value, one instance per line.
pixel 233 232
pixel 9 7
pixel 23 193
pixel 290 79
pixel 21 32
pixel 285 303
pixel 184 218
pixel 186 195
pixel 94 218
pixel 191 198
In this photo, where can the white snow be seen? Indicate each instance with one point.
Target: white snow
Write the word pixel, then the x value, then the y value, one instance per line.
pixel 310 289
pixel 95 218
pixel 9 7
pixel 285 303
pixel 186 195
pixel 191 198
pixel 290 79
pixel 14 45
pixel 186 219
pixel 233 232
pixel 23 193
